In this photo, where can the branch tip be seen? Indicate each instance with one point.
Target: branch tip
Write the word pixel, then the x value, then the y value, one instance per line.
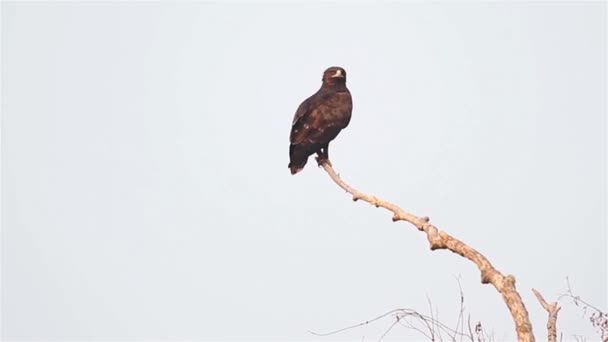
pixel 552 309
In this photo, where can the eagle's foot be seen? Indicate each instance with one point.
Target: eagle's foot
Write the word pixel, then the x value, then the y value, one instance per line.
pixel 321 159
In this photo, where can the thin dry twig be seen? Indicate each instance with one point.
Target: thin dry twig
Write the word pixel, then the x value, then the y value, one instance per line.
pixel 363 323
pixel 433 320
pixel 552 309
pixel 438 239
pixel 460 321
pixel 407 318
pixel 406 322
pixel 470 330
pixel 389 329
pixel 598 318
pixel 481 337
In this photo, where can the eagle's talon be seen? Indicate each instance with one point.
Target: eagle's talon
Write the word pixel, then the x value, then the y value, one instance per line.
pixel 322 160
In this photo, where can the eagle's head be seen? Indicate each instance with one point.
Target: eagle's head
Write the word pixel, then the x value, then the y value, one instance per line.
pixel 334 75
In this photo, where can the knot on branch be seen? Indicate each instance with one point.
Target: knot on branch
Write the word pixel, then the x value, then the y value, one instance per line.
pixel 486 277
pixel 436 245
pixel 422 222
pixel 436 242
pixel 375 202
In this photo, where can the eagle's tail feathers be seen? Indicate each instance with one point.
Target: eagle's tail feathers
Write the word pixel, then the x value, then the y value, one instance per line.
pixel 295 169
pixel 298 156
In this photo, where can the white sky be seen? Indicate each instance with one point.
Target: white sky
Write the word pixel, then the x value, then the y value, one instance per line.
pixel 145 189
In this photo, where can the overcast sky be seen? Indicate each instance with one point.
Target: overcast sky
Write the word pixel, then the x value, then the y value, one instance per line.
pixel 146 194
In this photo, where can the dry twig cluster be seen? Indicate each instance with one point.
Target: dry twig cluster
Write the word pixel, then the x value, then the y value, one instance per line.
pixel 427 325
pixel 597 317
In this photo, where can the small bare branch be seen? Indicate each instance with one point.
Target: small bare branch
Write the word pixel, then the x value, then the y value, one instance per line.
pixel 552 309
pixel 479 332
pixel 598 318
pixel 470 330
pixel 411 319
pixel 433 320
pixel 406 311
pixel 438 239
pixel 460 321
pixel 389 329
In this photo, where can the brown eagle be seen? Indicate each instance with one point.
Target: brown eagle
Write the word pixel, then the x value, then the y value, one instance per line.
pixel 319 119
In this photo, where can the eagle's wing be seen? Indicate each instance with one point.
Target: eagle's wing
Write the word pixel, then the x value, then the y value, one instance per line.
pixel 302 119
pixel 301 111
pixel 317 121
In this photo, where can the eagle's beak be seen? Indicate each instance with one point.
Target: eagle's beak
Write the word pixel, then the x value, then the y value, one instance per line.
pixel 338 74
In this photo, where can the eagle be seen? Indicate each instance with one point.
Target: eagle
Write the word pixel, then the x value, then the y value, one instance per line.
pixel 319 119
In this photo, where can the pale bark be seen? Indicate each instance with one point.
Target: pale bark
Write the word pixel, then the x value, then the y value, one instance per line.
pixel 438 239
pixel 552 309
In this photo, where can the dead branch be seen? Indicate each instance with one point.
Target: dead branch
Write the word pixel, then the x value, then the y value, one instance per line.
pixel 552 309
pixel 438 239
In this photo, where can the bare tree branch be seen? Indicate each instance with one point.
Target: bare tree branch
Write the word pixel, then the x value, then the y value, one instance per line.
pixel 552 309
pixel 438 239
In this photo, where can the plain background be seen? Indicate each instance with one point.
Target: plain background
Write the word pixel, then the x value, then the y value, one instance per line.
pixel 145 189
